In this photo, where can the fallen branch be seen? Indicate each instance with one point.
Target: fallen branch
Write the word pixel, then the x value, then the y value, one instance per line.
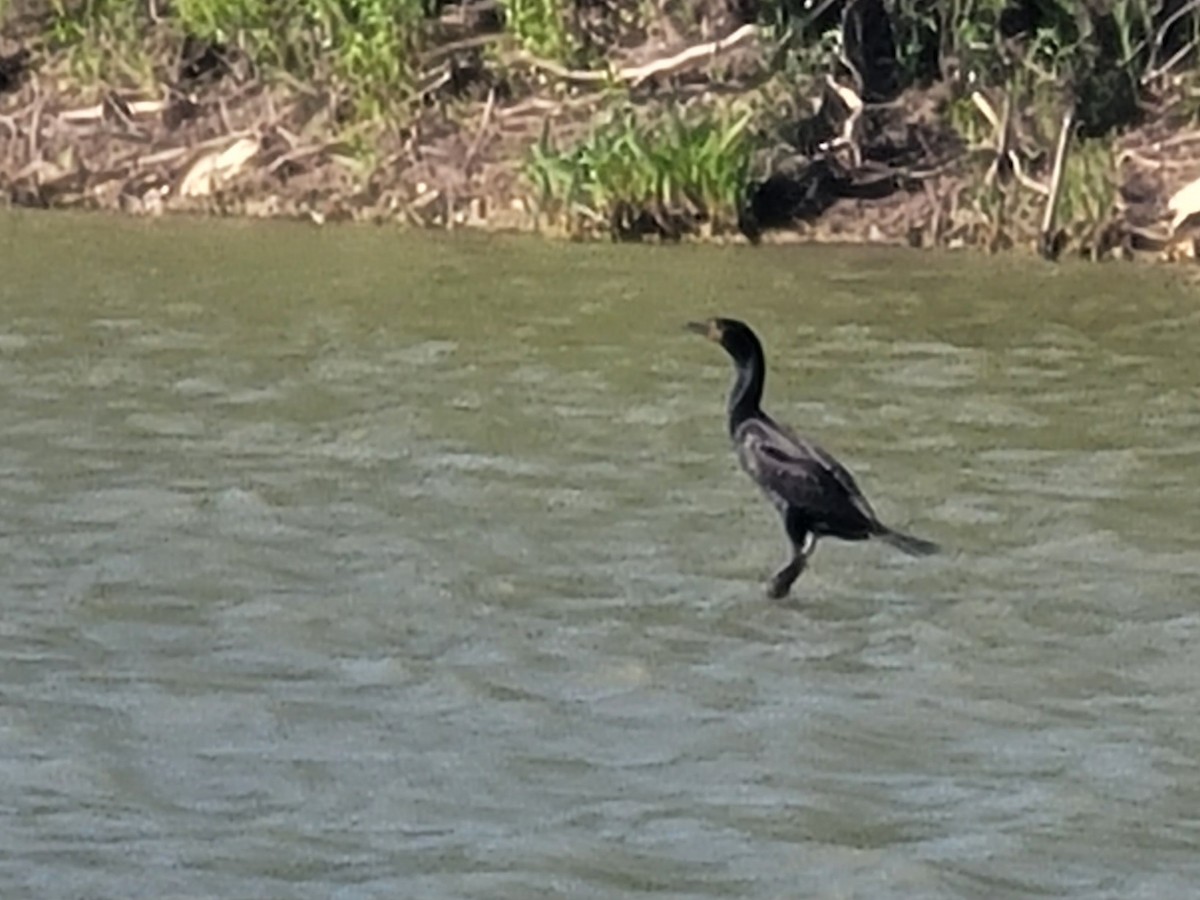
pixel 173 153
pixel 541 107
pixel 1186 138
pixel 166 156
pixel 635 75
pixel 302 152
pixel 213 169
pixel 1138 158
pixel 35 168
pixel 96 113
pixel 471 43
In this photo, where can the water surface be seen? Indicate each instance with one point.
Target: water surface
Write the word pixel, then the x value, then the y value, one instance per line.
pixel 345 563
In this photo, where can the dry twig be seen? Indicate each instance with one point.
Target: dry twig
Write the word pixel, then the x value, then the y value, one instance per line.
pixel 1154 72
pixel 484 121
pixel 635 75
pixel 1047 243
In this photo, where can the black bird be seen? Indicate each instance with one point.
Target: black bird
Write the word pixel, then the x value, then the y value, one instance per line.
pixel 813 492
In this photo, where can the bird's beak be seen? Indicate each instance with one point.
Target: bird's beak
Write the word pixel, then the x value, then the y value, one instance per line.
pixel 708 329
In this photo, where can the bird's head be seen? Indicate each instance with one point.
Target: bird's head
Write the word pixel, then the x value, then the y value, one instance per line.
pixel 736 337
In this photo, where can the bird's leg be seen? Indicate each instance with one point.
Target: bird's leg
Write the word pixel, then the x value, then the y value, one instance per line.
pixel 782 581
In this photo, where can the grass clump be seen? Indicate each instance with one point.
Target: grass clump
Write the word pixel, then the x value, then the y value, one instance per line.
pixel 540 26
pixel 665 175
pixel 1089 192
pixel 103 41
pixel 364 49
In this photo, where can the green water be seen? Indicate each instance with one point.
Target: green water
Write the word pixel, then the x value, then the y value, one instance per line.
pixel 346 563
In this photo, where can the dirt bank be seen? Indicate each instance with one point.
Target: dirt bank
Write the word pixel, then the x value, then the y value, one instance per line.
pixel 215 136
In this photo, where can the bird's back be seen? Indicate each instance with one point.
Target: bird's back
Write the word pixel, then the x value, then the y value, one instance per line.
pixel 796 472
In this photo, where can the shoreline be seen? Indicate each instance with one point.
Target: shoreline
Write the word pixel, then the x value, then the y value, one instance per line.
pixel 934 166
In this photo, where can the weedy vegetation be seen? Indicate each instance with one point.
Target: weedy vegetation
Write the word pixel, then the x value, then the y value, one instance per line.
pixel 660 157
pixel 667 174
pixel 364 50
pixel 540 26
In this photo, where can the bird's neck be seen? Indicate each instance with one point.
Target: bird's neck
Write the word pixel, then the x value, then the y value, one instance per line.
pixel 747 391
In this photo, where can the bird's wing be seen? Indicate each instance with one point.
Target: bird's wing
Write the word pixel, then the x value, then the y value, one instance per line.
pixel 843 477
pixel 802 474
pixel 803 448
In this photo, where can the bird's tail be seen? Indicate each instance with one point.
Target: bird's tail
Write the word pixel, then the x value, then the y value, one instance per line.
pixel 913 546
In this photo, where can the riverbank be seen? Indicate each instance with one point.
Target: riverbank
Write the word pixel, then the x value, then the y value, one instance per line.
pixel 707 127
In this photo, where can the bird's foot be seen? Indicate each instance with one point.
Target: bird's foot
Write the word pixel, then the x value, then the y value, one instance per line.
pixel 778 588
pixel 781 582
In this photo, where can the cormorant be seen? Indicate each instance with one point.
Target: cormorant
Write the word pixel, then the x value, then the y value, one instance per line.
pixel 813 492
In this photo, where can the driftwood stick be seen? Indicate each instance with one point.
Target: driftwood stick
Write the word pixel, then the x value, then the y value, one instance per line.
pixel 298 153
pixel 470 43
pixel 1186 137
pixel 95 113
pixel 1046 242
pixel 635 75
pixel 710 49
pixel 163 156
pixel 173 153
